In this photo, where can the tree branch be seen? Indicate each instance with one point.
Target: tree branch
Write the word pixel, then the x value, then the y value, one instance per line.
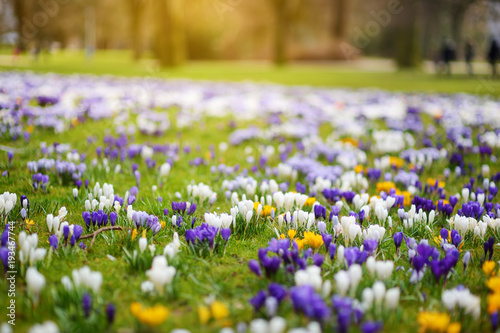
pixel 97 232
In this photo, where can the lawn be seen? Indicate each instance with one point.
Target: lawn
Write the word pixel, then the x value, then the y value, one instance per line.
pixel 238 138
pixel 345 75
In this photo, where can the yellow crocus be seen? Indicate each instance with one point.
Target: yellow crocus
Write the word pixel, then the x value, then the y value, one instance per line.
pixel 134 234
pixel 493 284
pixel 219 310
pixel 203 314
pixel 454 328
pixel 488 268
pixel 396 161
pixel 29 224
pixel 310 201
pixel 313 240
pixel 150 316
pixel 385 186
pixel 433 321
pixel 493 301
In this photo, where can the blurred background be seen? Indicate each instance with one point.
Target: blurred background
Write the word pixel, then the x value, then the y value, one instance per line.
pixel 433 36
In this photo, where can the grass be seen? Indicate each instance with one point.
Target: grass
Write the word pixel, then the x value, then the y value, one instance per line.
pixel 227 278
pixel 314 74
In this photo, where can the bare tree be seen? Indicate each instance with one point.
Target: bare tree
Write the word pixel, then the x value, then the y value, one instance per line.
pixel 340 15
pixel 137 8
pixel 170 39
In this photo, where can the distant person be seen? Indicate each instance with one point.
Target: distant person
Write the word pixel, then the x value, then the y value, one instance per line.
pixel 36 53
pixel 469 56
pixel 493 54
pixel 15 54
pixel 447 55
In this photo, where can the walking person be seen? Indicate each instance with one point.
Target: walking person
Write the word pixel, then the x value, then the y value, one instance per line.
pixel 469 56
pixel 493 54
pixel 447 54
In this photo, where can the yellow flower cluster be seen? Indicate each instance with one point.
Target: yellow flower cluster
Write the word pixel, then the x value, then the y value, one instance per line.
pixel 396 162
pixel 217 311
pixel 29 224
pixel 493 284
pixel 266 209
pixel 437 322
pixel 310 239
pixel 353 142
pixel 385 186
pixel 432 182
pixel 134 234
pixel 152 316
pixel 310 201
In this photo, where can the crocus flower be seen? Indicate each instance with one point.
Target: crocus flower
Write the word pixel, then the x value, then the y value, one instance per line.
pixel 327 240
pixel 4 256
pixel 258 300
pixel 10 155
pixel 226 233
pixel 54 241
pixel 66 232
pixel 371 327
pixel 254 267
pixel 398 239
pixel 110 313
pixel 466 260
pixel 137 175
pixel 77 231
pixel 86 304
pixel 331 250
pixel 112 218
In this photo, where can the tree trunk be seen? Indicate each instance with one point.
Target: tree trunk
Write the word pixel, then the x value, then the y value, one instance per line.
pixel 170 39
pixel 408 53
pixel 281 29
pixel 136 13
pixel 457 22
pixel 340 15
pixel 20 11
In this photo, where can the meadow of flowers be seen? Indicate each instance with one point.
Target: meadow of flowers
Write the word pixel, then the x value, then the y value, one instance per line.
pixel 174 206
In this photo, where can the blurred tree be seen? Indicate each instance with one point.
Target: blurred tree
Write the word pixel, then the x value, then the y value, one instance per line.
pixel 170 43
pixel 457 10
pixel 340 15
pixel 281 25
pixel 137 8
pixel 20 11
pixel 408 53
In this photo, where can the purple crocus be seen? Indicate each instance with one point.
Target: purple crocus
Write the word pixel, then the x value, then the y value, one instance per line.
pixel 258 300
pixel 331 250
pixel 277 291
pixel 192 209
pixel 54 241
pixel 10 155
pixel 112 218
pixel 226 233
pixel 398 239
pixel 253 265
pixel 4 256
pixel 66 232
pixel 110 313
pixel 327 240
pixel 371 327
pixel 87 304
pixel 137 175
pixel 131 199
pixel 77 231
